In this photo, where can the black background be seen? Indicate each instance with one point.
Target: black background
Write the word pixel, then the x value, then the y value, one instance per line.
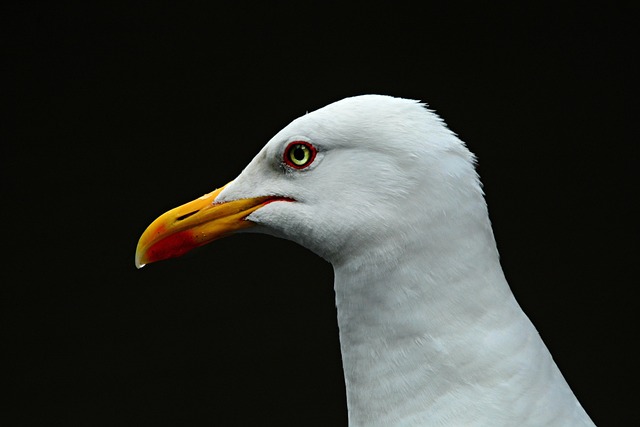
pixel 119 113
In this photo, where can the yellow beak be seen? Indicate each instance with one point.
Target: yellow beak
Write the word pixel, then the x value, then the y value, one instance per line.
pixel 194 224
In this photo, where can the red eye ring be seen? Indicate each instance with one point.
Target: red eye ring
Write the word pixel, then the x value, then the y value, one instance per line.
pixel 299 154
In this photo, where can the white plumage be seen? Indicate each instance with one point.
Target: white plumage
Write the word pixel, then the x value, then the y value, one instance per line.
pixel 430 332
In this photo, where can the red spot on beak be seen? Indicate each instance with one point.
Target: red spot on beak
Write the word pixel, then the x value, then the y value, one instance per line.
pixel 172 246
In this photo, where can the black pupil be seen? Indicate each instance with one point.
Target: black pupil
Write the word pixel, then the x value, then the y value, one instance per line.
pixel 298 153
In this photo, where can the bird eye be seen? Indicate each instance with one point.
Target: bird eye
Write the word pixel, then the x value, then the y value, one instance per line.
pixel 299 154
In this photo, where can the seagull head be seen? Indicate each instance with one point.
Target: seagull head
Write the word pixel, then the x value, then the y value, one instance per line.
pixel 335 180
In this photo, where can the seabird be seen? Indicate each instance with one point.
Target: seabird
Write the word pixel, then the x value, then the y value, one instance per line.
pixel 430 332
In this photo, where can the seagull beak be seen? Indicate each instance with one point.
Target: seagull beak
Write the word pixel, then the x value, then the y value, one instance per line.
pixel 194 224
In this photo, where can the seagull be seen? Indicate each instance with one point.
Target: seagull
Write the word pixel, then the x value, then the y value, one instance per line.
pixel 430 332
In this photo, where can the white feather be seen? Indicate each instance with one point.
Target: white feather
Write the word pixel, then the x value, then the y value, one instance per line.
pixel 430 332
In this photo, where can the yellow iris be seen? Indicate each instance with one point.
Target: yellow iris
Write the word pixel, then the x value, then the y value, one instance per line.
pixel 299 154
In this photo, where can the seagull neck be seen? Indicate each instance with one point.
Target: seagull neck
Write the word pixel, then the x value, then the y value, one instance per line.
pixel 430 323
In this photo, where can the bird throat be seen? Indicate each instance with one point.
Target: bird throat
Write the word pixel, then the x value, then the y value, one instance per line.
pixel 414 325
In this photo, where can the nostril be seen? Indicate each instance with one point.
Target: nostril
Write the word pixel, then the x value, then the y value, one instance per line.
pixel 185 216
